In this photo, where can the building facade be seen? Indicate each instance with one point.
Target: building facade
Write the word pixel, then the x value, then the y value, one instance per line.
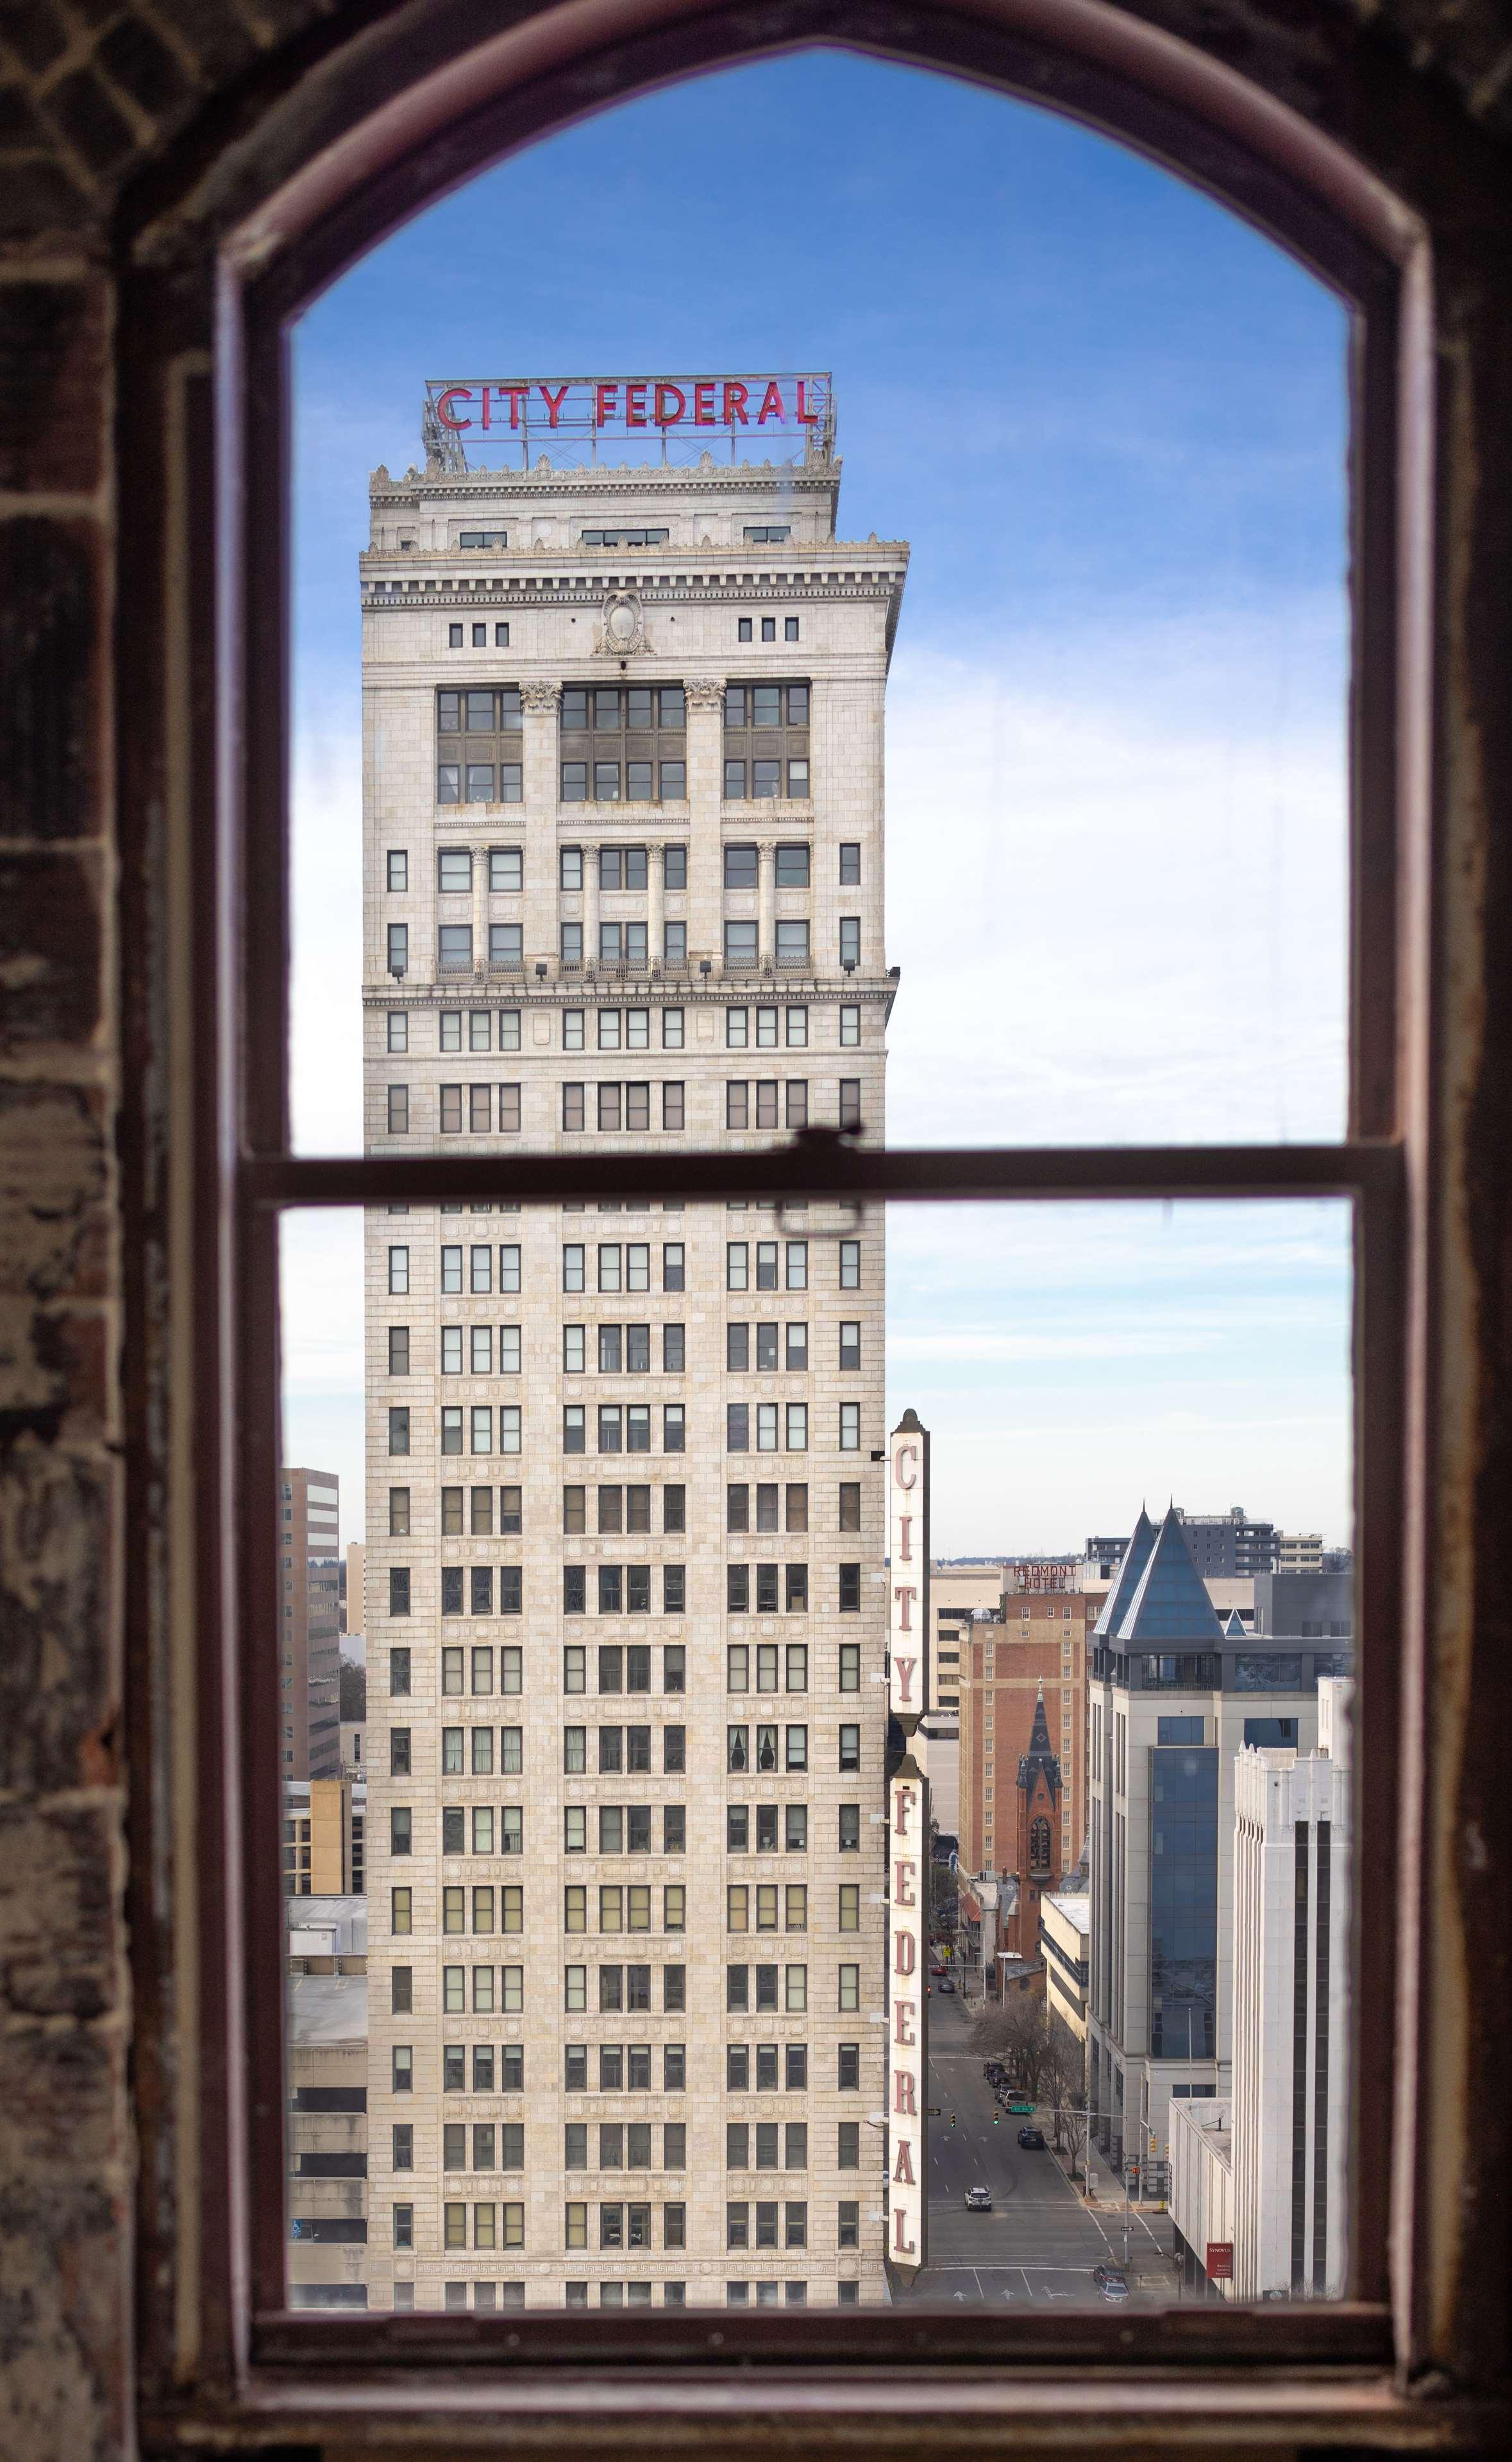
pixel 1176 1696
pixel 1039 1644
pixel 310 1574
pixel 1291 1996
pixel 624 850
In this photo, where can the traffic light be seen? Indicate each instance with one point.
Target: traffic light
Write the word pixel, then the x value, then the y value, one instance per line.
pixel 952 2119
pixel 997 2120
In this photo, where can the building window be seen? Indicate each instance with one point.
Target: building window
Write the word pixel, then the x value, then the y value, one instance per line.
pixel 624 737
pixel 766 741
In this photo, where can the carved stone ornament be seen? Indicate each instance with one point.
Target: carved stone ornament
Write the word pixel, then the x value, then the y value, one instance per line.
pixel 705 692
pixel 541 696
pixel 624 631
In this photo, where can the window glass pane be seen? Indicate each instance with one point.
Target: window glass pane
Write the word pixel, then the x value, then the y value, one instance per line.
pixel 1091 629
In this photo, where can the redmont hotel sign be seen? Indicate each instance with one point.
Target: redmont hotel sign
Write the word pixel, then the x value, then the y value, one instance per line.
pixel 785 414
pixel 908 1850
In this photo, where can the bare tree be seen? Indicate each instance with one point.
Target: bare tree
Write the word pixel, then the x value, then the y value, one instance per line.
pixel 944 1899
pixel 1016 2031
pixel 1063 2071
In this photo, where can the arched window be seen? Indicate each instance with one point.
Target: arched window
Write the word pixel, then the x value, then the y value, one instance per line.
pixel 1038 1846
pixel 269 225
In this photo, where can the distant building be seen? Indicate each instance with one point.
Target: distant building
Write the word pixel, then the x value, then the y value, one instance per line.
pixel 1291 1991
pixel 311 1636
pixel 328 2136
pixel 1176 1695
pixel 1298 1552
pixel 959 1596
pixel 1229 1544
pixel 357 1587
pixel 324 1821
pixel 1064 1934
pixel 1202 2195
pixel 1038 1648
pixel 1313 1607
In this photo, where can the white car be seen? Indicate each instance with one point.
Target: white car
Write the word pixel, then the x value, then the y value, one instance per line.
pixel 979 2201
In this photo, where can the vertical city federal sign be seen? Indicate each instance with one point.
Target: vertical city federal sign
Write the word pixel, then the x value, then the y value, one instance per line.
pixel 908 1882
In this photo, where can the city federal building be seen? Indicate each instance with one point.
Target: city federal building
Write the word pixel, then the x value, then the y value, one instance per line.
pixel 623 689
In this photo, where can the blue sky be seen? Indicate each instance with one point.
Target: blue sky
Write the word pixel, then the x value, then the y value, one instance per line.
pixel 1110 420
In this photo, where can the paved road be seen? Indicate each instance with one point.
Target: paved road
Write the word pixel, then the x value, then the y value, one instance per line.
pixel 1040 2241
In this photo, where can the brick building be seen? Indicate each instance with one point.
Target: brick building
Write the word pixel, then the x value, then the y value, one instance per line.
pixel 1039 1648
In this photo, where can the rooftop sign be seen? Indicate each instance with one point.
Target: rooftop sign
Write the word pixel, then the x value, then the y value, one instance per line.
pixel 475 421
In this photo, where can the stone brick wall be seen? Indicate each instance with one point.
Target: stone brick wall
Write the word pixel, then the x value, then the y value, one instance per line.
pixel 92 97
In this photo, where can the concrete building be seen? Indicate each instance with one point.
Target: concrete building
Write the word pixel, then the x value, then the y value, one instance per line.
pixel 623 855
pixel 324 1841
pixel 1041 1642
pixel 1299 1551
pixel 961 1596
pixel 1064 1934
pixel 1293 1866
pixel 357 1587
pixel 328 2129
pixel 1202 2209
pixel 308 1509
pixel 1174 1697
pixel 1229 1544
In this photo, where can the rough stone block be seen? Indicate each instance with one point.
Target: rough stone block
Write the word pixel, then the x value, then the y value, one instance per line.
pixel 50 950
pixel 60 1934
pixel 58 1702
pixel 53 1167
pixel 53 392
pixel 51 693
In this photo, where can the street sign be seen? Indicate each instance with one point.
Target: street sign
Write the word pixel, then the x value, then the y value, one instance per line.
pixel 1220 2260
pixel 933 2110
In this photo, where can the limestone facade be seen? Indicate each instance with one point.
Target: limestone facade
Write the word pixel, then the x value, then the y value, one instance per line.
pixel 644 1694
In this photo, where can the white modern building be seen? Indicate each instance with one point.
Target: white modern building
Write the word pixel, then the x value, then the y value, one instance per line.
pixel 1175 1698
pixel 623 798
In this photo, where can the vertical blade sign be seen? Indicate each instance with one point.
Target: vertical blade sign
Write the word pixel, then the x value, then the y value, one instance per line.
pixel 908 1884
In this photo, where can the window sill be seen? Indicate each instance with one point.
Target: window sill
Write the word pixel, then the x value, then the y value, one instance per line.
pixel 918 2380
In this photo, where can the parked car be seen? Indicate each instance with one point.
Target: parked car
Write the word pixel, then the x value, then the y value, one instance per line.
pixel 992 2071
pixel 1109 2282
pixel 947 1985
pixel 979 2201
pixel 1032 2140
pixel 1020 2102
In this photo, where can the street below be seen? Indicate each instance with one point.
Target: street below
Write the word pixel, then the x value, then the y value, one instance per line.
pixel 1041 2240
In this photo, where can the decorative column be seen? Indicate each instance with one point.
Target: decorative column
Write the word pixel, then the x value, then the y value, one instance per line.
pixel 480 913
pixel 591 905
pixel 541 787
pixel 705 707
pixel 766 903
pixel 655 902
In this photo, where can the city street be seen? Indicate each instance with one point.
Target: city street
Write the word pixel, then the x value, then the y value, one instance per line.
pixel 1041 2240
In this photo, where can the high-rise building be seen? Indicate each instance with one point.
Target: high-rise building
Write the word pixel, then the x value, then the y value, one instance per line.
pixel 1176 1695
pixel 1259 2193
pixel 311 1640
pixel 624 1591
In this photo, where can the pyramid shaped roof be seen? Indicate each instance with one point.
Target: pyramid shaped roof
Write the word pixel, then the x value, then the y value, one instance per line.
pixel 1170 1602
pixel 1136 1556
pixel 1236 1629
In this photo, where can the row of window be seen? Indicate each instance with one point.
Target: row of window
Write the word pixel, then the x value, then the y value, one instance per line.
pixel 632 1989
pixel 620 1668
pixel 613 1106
pixel 626 1029
pixel 623 1428
pixel 623 1510
pixel 623 944
pixel 489 2297
pixel 618 709
pixel 623 1265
